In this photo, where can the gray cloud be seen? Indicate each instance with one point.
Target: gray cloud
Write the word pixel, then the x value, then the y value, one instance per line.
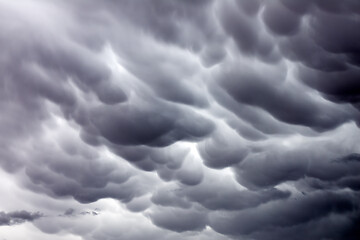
pixel 18 217
pixel 286 214
pixel 200 119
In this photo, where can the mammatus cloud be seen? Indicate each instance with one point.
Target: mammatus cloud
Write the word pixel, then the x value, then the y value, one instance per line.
pixel 180 119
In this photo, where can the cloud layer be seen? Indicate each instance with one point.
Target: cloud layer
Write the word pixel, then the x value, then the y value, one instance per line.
pixel 180 119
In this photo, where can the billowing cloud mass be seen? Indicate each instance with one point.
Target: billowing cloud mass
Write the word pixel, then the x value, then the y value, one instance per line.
pixel 180 119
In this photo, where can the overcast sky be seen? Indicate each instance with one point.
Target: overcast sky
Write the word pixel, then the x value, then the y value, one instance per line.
pixel 179 119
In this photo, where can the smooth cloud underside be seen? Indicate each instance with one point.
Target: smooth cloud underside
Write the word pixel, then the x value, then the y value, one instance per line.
pixel 180 119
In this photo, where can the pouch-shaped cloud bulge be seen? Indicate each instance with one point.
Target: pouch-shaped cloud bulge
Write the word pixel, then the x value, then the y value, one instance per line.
pixel 250 87
pixel 297 213
pixel 296 158
pixel 229 196
pixel 224 148
pixel 203 119
pixel 274 15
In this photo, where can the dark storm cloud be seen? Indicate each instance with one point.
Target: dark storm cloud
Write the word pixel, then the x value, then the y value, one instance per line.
pixel 331 51
pixel 274 15
pixel 244 29
pixel 346 90
pixel 176 22
pixel 223 149
pixel 202 119
pixel 82 175
pixel 179 220
pixel 135 126
pixel 18 217
pixel 285 214
pixel 228 196
pixel 255 89
pixel 312 158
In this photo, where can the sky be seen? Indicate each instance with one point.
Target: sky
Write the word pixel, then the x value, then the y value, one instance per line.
pixel 179 119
